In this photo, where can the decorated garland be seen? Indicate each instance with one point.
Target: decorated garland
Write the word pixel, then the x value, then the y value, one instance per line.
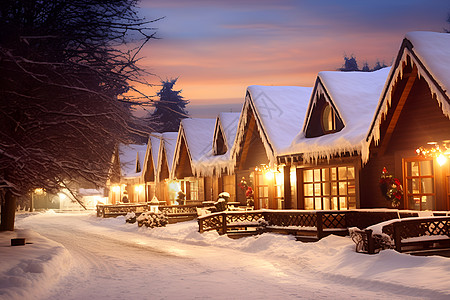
pixel 391 188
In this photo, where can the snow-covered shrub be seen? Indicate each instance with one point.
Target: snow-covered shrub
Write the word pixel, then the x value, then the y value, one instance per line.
pixel 130 217
pixel 221 204
pixel 152 219
pixel 224 195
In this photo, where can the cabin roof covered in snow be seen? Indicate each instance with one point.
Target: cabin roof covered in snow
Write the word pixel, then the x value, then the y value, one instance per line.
pixel 198 134
pixel 169 140
pixel 155 141
pixel 430 53
pixel 129 156
pixel 229 122
pixel 355 96
pixel 279 113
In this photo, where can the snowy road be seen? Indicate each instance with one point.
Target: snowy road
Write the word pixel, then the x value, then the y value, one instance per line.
pixel 111 264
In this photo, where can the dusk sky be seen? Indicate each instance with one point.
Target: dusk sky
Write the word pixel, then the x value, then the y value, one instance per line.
pixel 218 48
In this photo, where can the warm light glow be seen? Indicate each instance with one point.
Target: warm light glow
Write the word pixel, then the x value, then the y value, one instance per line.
pixel 268 175
pixel 174 186
pixel 440 152
pixel 39 191
pixel 441 159
pixel 139 188
pixel 62 196
pixel 115 188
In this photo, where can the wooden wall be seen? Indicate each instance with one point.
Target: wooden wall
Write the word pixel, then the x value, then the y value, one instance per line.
pixel 421 121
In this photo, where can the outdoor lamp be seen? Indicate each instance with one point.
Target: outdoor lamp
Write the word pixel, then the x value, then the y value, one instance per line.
pixel 154 204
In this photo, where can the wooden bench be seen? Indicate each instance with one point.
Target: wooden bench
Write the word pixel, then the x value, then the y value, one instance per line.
pixel 421 234
pixel 409 235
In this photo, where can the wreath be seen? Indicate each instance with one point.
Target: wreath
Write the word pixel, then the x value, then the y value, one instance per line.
pixel 391 188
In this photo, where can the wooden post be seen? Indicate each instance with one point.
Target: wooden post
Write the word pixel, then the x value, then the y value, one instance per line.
pixel 370 242
pixel 287 187
pixel 224 223
pixel 397 237
pixel 319 224
pixel 200 225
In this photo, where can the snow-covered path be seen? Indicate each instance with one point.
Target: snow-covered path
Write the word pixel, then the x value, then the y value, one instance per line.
pixel 113 260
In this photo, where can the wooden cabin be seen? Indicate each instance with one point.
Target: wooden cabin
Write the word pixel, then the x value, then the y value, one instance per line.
pixel 165 188
pixel 220 170
pixel 150 165
pixel 271 117
pixel 326 153
pixel 193 149
pixel 413 113
pixel 128 161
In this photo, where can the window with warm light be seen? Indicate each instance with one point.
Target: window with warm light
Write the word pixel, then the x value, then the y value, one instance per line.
pixel 262 189
pixel 328 122
pixel 330 188
pixel 419 180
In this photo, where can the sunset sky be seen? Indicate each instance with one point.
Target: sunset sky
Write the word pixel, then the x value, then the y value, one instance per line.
pixel 218 48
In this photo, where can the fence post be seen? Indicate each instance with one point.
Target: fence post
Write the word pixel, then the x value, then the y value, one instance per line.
pixel 224 223
pixel 200 225
pixel 319 224
pixel 397 237
pixel 370 242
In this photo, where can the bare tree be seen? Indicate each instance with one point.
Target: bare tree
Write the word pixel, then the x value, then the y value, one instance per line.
pixel 65 75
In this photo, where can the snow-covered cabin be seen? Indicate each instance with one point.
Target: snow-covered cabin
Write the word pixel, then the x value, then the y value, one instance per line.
pixel 128 163
pixel 413 112
pixel 193 149
pixel 167 146
pixel 327 151
pixel 271 117
pixel 220 165
pixel 150 165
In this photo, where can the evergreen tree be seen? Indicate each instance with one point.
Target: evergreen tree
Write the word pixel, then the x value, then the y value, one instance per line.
pixel 350 64
pixel 170 108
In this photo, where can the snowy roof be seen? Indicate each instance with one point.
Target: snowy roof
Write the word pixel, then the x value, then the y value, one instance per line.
pixel 355 96
pixel 155 141
pixel 430 53
pixel 129 156
pixel 169 140
pixel 279 113
pixel 229 122
pixel 217 164
pixel 198 134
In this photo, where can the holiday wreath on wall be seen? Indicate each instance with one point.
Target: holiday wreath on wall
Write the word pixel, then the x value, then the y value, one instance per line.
pixel 391 188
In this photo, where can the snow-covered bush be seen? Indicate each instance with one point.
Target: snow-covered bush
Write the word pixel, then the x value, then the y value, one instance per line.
pixel 221 204
pixel 152 219
pixel 130 218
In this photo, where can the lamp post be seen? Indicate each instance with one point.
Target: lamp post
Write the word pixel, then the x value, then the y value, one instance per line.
pixel 154 205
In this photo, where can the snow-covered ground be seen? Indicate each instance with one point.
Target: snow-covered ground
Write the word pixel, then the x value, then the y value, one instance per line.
pixel 80 256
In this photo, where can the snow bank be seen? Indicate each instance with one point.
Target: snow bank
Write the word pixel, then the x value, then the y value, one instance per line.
pixel 30 271
pixel 333 257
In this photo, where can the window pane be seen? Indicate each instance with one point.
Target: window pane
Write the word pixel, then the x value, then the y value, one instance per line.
pixel 334 188
pixel 326 188
pixel 266 191
pixel 317 203
pixel 427 202
pixel 426 167
pixel 326 203
pixel 317 189
pixel 342 173
pixel 307 175
pixel 427 185
pixel 414 202
pixel 351 173
pixel 342 203
pixel 325 174
pixel 333 173
pixel 309 189
pixel 334 203
pixel 342 188
pixel 309 203
pixel 316 175
pixel 413 168
pixel 414 187
pixel 351 202
pixel 351 188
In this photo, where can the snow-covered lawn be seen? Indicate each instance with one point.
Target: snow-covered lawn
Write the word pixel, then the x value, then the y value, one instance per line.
pixel 85 257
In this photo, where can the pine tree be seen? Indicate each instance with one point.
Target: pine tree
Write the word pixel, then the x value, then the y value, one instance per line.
pixel 170 108
pixel 350 64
